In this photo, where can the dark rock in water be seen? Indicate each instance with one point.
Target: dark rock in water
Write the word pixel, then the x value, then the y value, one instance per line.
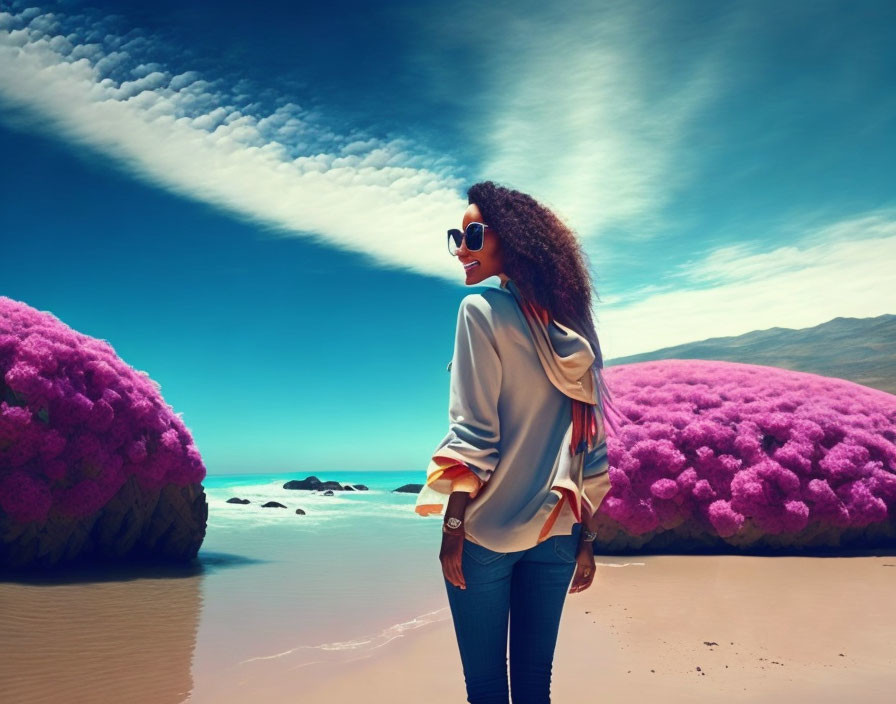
pixel 300 512
pixel 410 488
pixel 311 482
pixel 236 500
pixel 273 504
pixel 328 492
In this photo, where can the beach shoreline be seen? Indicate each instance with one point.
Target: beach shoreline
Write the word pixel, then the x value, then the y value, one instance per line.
pixel 282 608
pixel 683 628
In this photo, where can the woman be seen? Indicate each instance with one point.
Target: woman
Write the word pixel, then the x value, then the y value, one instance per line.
pixel 523 466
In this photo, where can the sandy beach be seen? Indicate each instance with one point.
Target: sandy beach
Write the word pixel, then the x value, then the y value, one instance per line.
pixel 278 611
pixel 681 628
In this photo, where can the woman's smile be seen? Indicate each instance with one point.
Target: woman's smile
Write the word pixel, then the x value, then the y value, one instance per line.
pixel 484 262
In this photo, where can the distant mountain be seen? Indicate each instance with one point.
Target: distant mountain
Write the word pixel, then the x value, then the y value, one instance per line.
pixel 862 350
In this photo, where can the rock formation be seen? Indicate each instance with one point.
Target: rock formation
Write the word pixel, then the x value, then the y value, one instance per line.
pixel 728 456
pixel 409 488
pixel 93 463
pixel 312 483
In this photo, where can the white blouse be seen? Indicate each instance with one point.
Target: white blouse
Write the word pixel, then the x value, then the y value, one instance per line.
pixel 511 426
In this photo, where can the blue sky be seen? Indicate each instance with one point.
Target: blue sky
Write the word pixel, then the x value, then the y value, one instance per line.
pixel 249 202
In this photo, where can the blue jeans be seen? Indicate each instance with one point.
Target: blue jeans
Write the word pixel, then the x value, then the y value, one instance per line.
pixel 525 589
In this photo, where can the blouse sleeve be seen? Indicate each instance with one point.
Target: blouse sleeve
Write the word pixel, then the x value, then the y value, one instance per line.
pixel 466 480
pixel 473 439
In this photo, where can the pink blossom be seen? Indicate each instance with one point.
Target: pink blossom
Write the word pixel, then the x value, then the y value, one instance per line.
pixel 728 446
pixel 724 519
pixel 664 488
pixel 76 421
pixel 24 497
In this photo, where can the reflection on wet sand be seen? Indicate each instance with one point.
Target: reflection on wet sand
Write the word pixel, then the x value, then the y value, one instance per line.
pixel 101 633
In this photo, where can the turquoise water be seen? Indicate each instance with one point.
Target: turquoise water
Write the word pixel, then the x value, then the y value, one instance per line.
pixel 358 569
pixel 343 510
pixel 381 480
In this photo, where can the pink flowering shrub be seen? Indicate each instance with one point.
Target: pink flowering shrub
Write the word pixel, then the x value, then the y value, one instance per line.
pixel 720 452
pixel 76 422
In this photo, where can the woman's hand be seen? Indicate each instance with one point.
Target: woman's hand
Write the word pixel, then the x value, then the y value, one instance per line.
pixel 453 543
pixel 584 568
pixel 451 556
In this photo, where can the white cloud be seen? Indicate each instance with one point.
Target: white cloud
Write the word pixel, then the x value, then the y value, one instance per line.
pixel 566 116
pixel 844 269
pixel 836 242
pixel 573 109
pixel 567 119
pixel 284 169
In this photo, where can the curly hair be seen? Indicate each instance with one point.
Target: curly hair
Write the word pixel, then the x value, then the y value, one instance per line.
pixel 544 258
pixel 541 254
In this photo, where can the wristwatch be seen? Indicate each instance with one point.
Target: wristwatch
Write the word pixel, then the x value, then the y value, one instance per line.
pixel 588 536
pixel 451 526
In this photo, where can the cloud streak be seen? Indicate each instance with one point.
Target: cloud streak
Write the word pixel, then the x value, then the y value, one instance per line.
pixel 283 168
pixel 577 114
pixel 576 108
pixel 842 269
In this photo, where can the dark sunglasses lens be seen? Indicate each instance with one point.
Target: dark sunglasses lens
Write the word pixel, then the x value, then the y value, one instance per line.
pixel 475 232
pixel 455 237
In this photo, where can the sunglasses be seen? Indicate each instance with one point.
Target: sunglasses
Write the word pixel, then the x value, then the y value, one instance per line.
pixel 475 234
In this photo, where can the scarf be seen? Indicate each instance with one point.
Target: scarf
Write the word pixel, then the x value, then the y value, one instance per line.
pixel 568 360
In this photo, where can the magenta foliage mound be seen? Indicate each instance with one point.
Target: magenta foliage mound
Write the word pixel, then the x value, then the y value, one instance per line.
pixel 714 453
pixel 77 423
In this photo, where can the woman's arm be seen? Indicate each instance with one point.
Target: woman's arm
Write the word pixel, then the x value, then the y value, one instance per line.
pixel 474 434
pixel 456 508
pixel 595 485
pixel 472 444
pixel 464 487
pixel 589 523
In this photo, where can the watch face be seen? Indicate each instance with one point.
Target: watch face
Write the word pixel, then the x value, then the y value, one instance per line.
pixel 453 522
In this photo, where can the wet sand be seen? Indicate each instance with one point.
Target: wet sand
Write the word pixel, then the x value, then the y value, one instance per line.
pixel 681 628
